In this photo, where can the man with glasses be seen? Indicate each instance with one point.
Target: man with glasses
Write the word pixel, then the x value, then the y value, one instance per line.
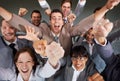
pixel 81 66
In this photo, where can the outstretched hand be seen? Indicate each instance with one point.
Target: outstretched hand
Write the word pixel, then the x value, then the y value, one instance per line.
pixel 30 34
pixel 103 28
pixel 54 53
pixel 112 3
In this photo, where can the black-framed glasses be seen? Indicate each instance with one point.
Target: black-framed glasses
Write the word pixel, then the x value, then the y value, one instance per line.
pixel 78 58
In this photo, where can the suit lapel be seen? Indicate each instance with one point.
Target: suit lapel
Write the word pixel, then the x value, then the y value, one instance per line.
pixel 82 76
pixel 70 74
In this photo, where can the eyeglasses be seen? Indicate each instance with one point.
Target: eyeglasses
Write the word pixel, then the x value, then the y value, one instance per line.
pixel 78 58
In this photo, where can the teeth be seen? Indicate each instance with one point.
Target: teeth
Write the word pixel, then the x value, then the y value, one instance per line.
pixel 8 34
pixel 24 71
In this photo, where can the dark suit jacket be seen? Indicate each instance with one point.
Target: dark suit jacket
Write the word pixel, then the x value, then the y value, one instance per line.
pixel 112 71
pixel 6 54
pixel 88 71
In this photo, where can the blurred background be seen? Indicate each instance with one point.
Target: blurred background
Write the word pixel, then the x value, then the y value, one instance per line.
pixel 14 5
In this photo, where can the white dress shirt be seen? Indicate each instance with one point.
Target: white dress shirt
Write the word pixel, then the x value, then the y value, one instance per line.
pixel 76 74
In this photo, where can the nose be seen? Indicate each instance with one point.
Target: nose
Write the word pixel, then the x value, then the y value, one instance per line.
pixel 24 65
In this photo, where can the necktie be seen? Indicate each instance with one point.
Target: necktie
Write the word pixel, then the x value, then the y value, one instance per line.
pixel 56 39
pixel 65 20
pixel 12 46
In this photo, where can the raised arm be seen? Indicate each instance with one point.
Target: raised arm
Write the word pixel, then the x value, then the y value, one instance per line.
pixel 5 14
pixel 53 55
pixel 17 21
pixel 108 6
pixel 79 7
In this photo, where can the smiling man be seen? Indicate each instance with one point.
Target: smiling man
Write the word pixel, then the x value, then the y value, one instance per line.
pixel 7 39
pixel 81 66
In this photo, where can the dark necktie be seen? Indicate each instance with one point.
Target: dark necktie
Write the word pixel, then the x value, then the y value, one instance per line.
pixel 65 20
pixel 56 39
pixel 12 46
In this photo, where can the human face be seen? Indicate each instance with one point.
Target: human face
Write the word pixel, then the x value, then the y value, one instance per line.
pixel 8 31
pixel 35 19
pixel 56 22
pixel 79 62
pixel 25 64
pixel 66 9
pixel 90 35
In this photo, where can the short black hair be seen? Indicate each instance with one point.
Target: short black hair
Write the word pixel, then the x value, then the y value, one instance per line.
pixel 79 51
pixel 56 11
pixel 64 1
pixel 36 11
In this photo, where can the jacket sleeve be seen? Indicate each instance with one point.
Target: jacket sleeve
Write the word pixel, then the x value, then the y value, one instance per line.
pixel 106 52
pixel 19 23
pixel 83 26
pixel 47 70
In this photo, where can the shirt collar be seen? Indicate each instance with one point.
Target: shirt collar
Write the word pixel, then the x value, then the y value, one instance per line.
pixel 8 43
pixel 55 35
pixel 76 69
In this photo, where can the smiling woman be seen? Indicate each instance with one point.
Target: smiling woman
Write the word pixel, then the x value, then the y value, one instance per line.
pixel 27 68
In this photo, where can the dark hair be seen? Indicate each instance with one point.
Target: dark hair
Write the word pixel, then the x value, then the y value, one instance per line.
pixel 79 51
pixel 31 53
pixel 64 1
pixel 85 35
pixel 1 20
pixel 56 11
pixel 36 11
pixel 98 8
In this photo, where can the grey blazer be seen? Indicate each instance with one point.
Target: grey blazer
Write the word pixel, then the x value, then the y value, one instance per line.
pixel 66 32
pixel 6 55
pixel 88 71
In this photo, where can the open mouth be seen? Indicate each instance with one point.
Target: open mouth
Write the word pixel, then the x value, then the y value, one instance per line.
pixel 24 71
pixel 56 25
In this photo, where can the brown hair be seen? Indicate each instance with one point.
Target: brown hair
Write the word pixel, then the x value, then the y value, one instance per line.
pixel 64 1
pixel 31 53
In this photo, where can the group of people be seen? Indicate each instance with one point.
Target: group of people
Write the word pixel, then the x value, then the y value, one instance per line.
pixel 91 58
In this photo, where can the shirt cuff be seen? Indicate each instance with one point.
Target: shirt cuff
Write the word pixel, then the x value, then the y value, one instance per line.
pixel 82 3
pixel 101 44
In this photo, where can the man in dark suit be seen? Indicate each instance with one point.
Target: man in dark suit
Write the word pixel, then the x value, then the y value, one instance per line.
pixel 9 37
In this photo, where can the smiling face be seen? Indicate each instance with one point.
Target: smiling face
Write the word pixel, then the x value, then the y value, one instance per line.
pixel 79 62
pixel 66 8
pixel 25 64
pixel 56 21
pixel 36 18
pixel 8 31
pixel 90 35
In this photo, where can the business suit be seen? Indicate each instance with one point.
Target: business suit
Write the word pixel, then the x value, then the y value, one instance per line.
pixel 88 71
pixel 6 54
pixel 112 71
pixel 66 32
pixel 65 37
pixel 95 57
